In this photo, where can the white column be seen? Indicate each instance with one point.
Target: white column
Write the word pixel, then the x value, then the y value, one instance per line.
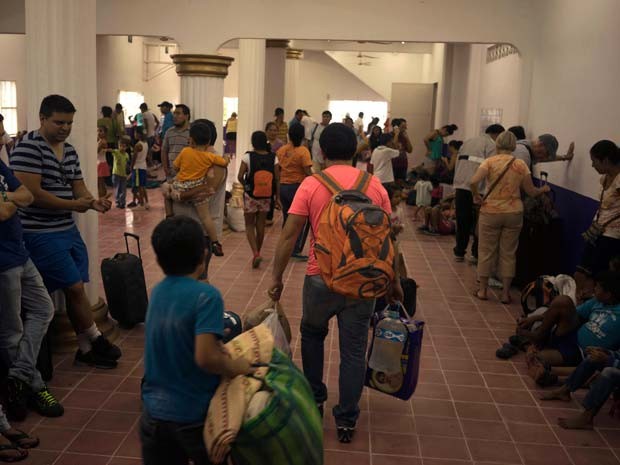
pixel 275 63
pixel 291 78
pixel 61 59
pixel 251 93
pixel 202 90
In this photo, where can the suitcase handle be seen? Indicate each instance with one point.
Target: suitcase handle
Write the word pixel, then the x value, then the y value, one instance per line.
pixel 137 238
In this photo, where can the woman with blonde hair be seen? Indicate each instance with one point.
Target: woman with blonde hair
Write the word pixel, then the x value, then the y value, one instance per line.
pixel 501 213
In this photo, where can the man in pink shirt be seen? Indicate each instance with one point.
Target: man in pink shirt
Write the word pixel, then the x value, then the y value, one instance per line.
pixel 338 143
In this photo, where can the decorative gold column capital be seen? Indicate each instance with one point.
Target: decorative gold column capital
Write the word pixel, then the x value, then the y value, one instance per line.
pixel 294 54
pixel 202 65
pixel 277 43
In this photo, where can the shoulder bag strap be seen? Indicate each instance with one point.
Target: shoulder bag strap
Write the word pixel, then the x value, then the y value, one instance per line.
pixel 494 185
pixel 328 181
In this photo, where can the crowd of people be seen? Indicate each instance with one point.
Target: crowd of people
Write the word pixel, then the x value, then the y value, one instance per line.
pixel 294 167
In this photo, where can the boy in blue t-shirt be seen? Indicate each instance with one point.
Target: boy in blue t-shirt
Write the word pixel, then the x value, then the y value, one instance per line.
pixel 184 357
pixel 567 331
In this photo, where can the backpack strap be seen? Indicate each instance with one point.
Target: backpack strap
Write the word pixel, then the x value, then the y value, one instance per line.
pixel 363 181
pixel 328 181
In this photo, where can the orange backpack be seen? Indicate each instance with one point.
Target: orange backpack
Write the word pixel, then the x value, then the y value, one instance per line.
pixel 353 244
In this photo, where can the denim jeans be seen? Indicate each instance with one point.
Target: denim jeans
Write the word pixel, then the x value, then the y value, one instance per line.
pixel 465 222
pixel 287 194
pixel 319 306
pixel 120 187
pixel 26 310
pixel 169 443
pixel 601 389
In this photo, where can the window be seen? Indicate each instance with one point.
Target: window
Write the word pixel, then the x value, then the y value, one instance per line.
pixel 8 106
pixel 131 102
pixel 231 104
pixel 340 108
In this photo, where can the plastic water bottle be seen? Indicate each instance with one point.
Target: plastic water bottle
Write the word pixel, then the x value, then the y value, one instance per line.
pixel 390 338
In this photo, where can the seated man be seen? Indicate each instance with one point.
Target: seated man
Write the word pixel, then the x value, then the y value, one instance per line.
pixel 566 331
pixel 598 359
pixel 50 168
pixel 25 310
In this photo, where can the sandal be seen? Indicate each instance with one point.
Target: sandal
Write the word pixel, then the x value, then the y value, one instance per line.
pixel 506 351
pixel 18 439
pixel 477 296
pixel 23 455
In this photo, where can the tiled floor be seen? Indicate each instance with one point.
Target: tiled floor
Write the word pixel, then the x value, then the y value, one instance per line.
pixel 468 408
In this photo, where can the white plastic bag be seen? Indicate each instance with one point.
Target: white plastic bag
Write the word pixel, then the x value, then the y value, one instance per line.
pixel 279 337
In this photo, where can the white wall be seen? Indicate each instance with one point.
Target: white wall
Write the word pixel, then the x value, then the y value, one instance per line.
pixel 575 93
pixel 120 67
pixel 476 84
pixel 13 68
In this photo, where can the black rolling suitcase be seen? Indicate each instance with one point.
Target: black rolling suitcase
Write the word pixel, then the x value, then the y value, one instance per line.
pixel 125 286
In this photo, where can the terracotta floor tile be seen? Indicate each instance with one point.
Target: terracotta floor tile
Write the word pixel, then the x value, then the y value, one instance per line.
pixel 470 394
pixel 431 407
pixel 98 382
pixel 500 367
pixel 65 379
pixel 40 457
pixel 438 426
pixel 459 365
pixel 386 422
pixel 493 451
pixel 445 448
pixel 54 439
pixel 86 399
pixel 521 414
pixel 72 418
pixel 124 402
pixel 503 381
pixel 397 444
pixel 96 442
pixel 488 430
pixel 384 404
pixel 463 378
pixel 346 458
pixel 115 422
pixel 612 436
pixel 130 385
pixel 82 459
pixel 432 391
pixel 477 411
pixel 360 442
pixel 513 397
pixel 525 432
pixel 122 461
pixel 131 446
pixel 534 454
pixel 590 456
pixel 395 460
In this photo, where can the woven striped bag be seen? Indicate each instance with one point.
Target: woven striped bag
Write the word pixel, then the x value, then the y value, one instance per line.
pixel 289 431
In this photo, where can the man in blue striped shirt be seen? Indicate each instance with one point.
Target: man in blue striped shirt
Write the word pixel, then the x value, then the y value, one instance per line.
pixel 50 168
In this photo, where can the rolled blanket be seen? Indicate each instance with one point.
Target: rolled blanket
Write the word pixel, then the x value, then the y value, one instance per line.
pixel 232 397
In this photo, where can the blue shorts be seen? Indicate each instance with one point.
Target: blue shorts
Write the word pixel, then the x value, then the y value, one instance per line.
pixel 138 178
pixel 61 257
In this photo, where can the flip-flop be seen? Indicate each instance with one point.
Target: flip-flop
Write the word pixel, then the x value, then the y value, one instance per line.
pixel 20 436
pixel 475 294
pixel 7 459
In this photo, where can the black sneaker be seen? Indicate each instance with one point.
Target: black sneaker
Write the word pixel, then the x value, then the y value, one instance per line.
pixel 94 360
pixel 105 349
pixel 45 404
pixel 16 399
pixel 345 434
pixel 217 250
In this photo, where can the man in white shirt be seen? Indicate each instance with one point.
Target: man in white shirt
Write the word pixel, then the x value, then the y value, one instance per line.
pixel 150 122
pixel 359 123
pixel 308 123
pixel 471 155
pixel 318 161
pixel 6 143
pixel 381 158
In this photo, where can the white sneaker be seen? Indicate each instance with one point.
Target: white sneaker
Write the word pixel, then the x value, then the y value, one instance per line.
pixel 495 283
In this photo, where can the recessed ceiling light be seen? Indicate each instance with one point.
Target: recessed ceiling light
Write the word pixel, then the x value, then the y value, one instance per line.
pixel 402 43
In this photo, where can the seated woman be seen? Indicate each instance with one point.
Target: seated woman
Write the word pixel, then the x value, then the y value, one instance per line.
pixel 566 331
pixel 598 359
pixel 440 220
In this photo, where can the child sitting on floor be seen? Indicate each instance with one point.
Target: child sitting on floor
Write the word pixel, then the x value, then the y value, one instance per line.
pixel 192 165
pixel 440 220
pixel 423 188
pixel 566 331
pixel 183 353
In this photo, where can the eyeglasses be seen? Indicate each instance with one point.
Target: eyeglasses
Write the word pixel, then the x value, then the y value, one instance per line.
pixel 63 174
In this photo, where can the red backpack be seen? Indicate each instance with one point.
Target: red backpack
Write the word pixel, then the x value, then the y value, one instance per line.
pixel 353 244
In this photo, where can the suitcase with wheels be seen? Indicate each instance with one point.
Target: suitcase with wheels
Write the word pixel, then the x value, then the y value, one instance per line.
pixel 125 286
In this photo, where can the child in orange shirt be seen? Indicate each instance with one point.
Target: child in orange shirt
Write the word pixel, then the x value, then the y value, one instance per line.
pixel 192 165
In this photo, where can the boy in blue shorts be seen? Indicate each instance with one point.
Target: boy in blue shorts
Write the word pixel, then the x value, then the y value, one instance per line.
pixel 183 354
pixel 49 167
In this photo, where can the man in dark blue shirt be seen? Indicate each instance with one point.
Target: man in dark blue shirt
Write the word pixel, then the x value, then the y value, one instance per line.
pixel 25 309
